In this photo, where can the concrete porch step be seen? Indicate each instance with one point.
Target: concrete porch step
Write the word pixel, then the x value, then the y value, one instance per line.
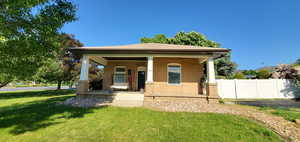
pixel 116 98
pixel 127 103
pixel 138 97
pixel 131 99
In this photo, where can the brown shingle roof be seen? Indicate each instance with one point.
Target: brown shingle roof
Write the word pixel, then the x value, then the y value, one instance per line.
pixel 153 46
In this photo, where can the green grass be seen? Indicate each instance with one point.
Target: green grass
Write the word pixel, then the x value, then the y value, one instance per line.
pixel 290 114
pixel 36 85
pixel 35 116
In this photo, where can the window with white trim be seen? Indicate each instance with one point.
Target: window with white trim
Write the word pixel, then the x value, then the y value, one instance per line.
pixel 120 74
pixel 174 73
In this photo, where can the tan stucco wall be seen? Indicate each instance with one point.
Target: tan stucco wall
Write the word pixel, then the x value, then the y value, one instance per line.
pixel 191 72
pixel 109 70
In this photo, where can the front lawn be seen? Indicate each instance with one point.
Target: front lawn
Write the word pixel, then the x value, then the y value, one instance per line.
pixel 35 116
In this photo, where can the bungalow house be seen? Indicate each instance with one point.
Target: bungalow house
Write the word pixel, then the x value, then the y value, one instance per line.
pixel 157 71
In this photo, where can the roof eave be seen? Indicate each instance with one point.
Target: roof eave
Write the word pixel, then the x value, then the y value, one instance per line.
pixel 78 49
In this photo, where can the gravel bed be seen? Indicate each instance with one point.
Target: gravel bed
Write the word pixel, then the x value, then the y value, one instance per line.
pixel 86 102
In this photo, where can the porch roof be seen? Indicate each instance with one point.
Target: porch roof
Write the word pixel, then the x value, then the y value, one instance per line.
pixel 149 48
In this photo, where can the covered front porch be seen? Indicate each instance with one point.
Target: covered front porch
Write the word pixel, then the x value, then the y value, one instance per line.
pixel 158 71
pixel 125 75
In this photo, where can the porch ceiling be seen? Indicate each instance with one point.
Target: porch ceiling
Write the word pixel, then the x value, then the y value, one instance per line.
pixel 126 58
pixel 99 60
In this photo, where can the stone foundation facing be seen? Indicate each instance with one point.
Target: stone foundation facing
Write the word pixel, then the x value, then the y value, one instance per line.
pixel 212 96
pixel 173 103
pixel 201 99
pixel 165 101
pixel 138 99
pixel 212 90
pixel 82 87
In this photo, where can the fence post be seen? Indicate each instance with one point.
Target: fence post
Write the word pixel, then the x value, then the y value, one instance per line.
pixel 256 87
pixel 219 82
pixel 235 91
pixel 277 89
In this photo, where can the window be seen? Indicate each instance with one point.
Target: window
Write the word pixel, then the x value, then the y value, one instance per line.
pixel 174 73
pixel 120 70
pixel 120 74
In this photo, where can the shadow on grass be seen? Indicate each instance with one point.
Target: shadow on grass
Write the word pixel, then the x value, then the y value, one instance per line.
pixel 45 93
pixel 38 114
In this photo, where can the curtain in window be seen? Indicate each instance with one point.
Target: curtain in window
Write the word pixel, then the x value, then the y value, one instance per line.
pixel 120 75
pixel 120 78
pixel 174 74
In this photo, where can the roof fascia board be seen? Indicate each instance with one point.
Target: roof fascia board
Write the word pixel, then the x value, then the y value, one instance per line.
pixel 148 55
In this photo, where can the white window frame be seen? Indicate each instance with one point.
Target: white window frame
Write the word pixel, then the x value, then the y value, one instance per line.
pixel 180 78
pixel 124 67
pixel 115 72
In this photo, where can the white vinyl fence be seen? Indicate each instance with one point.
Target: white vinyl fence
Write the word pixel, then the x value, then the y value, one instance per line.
pixel 257 88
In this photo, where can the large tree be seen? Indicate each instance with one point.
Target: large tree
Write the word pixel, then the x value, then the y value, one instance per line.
pixel 52 71
pixel 29 33
pixel 284 71
pixel 224 66
pixel 71 63
pixel 65 65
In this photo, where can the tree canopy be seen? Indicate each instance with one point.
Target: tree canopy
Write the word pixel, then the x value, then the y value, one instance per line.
pixel 250 74
pixel 263 74
pixel 182 38
pixel 64 67
pixel 224 66
pixel 239 75
pixel 29 33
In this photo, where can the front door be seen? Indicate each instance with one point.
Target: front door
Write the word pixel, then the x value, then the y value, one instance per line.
pixel 141 80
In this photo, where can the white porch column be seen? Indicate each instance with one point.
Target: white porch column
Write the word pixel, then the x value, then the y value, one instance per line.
pixel 211 88
pixel 83 83
pixel 84 72
pixel 210 70
pixel 150 70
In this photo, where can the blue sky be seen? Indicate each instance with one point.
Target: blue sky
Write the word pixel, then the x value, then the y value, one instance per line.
pixel 259 32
